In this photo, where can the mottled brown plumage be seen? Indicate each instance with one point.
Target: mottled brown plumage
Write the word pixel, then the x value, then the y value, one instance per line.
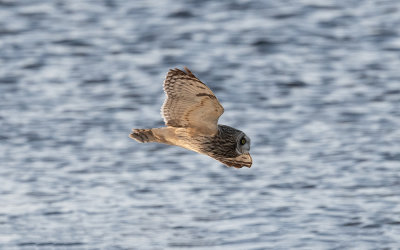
pixel 191 112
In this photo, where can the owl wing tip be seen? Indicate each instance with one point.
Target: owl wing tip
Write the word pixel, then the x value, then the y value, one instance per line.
pixel 185 71
pixel 242 165
pixel 142 135
pixel 189 73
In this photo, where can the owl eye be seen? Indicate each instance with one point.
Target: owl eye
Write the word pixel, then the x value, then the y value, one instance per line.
pixel 243 141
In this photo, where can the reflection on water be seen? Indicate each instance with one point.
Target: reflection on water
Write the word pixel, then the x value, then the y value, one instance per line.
pixel 315 85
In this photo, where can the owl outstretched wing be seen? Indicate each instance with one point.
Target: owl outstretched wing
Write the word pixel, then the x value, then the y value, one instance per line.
pixel 237 162
pixel 190 103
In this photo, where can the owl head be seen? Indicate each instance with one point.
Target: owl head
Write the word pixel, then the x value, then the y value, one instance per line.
pixel 229 146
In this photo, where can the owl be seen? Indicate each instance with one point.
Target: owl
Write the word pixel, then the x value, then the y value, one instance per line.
pixel 191 113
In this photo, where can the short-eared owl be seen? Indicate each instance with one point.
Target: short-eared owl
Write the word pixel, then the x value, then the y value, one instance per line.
pixel 191 113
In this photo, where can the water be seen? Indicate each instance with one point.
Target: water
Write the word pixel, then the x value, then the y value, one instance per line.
pixel 314 84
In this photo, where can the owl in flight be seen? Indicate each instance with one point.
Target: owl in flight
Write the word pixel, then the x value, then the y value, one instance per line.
pixel 191 113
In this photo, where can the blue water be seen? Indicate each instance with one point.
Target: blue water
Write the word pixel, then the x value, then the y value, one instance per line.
pixel 315 85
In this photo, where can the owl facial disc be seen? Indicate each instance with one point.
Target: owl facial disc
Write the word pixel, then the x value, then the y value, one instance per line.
pixel 243 144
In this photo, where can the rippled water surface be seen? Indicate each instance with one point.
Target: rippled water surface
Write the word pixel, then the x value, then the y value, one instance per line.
pixel 315 84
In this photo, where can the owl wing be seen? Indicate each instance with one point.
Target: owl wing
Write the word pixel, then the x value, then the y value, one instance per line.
pixel 243 160
pixel 190 103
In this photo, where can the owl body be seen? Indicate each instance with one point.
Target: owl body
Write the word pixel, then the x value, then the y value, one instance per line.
pixel 191 113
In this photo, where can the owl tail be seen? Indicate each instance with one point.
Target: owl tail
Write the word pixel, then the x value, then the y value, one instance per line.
pixel 143 135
